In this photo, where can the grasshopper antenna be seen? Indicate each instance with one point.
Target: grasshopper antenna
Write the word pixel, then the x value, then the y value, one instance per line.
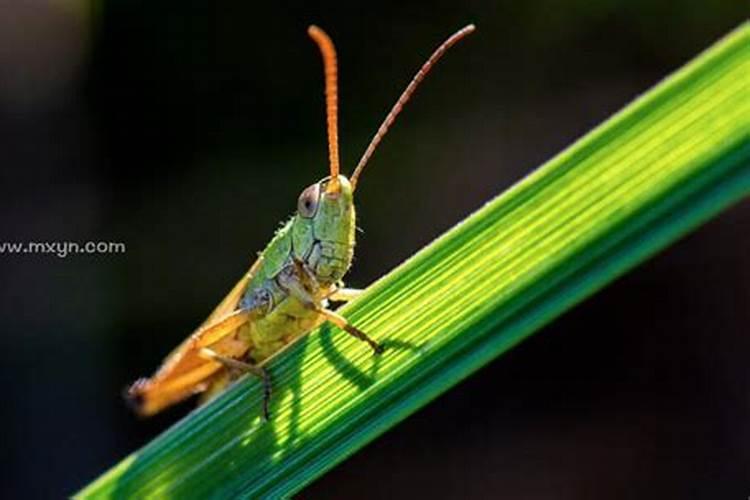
pixel 328 51
pixel 426 67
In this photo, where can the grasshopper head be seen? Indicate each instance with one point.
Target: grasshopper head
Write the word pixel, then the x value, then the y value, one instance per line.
pixel 324 228
pixel 328 208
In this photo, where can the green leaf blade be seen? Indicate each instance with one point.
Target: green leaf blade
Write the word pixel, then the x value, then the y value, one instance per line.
pixel 669 161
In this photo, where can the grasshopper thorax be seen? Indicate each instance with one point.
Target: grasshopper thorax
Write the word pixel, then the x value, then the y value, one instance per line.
pixel 323 229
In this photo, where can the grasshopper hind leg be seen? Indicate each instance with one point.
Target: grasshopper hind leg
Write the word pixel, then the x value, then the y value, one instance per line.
pixel 241 367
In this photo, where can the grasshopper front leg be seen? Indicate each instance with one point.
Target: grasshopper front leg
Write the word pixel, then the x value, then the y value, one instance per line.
pixel 355 332
pixel 343 294
pixel 301 284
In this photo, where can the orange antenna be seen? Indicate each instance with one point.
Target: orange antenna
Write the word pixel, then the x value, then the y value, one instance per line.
pixel 426 67
pixel 328 51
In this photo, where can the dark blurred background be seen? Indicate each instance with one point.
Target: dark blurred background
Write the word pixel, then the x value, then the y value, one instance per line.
pixel 186 131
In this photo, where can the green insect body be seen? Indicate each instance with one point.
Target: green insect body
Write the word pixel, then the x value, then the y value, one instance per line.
pixel 313 251
pixel 285 294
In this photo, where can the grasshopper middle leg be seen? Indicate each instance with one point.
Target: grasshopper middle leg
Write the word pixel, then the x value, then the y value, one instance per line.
pixel 243 367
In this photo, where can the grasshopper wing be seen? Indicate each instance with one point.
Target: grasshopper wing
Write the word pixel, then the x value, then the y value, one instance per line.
pixel 185 372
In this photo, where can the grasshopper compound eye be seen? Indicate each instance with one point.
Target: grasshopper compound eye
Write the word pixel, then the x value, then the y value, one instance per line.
pixel 307 204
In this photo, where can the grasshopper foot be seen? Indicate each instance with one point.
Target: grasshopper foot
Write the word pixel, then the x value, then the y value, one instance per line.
pixel 263 373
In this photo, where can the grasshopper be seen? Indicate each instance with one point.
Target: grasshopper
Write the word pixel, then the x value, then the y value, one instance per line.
pixel 286 292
